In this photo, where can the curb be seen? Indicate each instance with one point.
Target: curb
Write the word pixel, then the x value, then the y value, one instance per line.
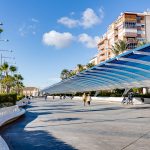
pixel 7 119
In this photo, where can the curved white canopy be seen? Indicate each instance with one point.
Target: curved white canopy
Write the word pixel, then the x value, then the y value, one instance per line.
pixel 130 69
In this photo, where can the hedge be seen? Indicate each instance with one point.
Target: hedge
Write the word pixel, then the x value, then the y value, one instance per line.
pixel 19 97
pixel 11 98
pixel 143 95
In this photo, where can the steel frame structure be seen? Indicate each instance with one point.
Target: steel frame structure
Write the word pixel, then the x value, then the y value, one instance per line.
pixel 127 70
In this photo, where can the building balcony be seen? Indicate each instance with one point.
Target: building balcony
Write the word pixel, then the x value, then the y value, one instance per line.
pixel 101 41
pixel 130 34
pixel 141 21
pixel 140 35
pixel 139 27
pixel 116 33
pixel 102 58
pixel 132 41
pixel 101 47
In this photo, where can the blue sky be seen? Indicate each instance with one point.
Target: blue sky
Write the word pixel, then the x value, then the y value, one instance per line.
pixel 50 35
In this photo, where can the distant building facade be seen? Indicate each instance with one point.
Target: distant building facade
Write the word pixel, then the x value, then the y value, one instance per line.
pixel 132 27
pixel 94 60
pixel 31 91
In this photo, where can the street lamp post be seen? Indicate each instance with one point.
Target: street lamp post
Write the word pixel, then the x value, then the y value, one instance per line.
pixel 6 58
pixel 3 56
pixel 5 40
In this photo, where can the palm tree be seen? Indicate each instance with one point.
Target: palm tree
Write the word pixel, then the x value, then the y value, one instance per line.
pixel 90 65
pixel 18 83
pixel 5 68
pixel 0 72
pixel 72 73
pixel 119 47
pixel 64 74
pixel 80 68
pixel 1 30
pixel 7 80
pixel 13 69
pixel 141 43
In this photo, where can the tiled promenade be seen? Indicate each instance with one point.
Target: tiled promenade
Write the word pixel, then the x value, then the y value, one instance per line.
pixel 68 125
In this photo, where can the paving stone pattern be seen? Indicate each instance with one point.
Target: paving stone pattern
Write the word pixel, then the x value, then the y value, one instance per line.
pixel 68 125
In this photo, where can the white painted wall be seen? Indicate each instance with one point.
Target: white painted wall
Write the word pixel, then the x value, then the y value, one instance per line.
pixel 136 100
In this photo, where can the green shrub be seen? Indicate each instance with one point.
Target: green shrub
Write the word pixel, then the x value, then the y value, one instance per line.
pixel 104 93
pixel 7 104
pixel 11 98
pixel 113 93
pixel 143 95
pixel 19 97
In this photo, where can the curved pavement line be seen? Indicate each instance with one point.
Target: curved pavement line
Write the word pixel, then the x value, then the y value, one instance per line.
pixel 10 118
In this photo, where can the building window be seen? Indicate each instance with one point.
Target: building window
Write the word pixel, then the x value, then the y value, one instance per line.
pixel 139 18
pixel 140 32
pixel 132 45
pixel 142 25
pixel 141 39
pixel 129 25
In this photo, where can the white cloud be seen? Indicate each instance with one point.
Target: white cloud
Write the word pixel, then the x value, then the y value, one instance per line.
pixel 25 29
pixel 57 39
pixel 35 20
pixel 72 13
pixel 88 41
pixel 89 18
pixel 28 28
pixel 68 22
pixel 22 30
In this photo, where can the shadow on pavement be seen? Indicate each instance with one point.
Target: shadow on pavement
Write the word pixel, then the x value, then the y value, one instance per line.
pixel 101 109
pixel 63 119
pixel 19 139
pixel 140 107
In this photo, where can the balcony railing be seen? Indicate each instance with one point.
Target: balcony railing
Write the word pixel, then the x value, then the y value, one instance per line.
pixel 130 34
pixel 132 41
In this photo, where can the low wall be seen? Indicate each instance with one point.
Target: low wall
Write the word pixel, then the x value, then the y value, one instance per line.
pixel 3 144
pixel 146 100
pixel 136 100
pixel 23 102
pixel 115 99
pixel 110 99
pixel 8 114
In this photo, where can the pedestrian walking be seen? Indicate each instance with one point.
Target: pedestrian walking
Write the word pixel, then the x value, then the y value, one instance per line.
pixel 64 97
pixel 84 98
pixel 45 97
pixel 71 96
pixel 124 100
pixel 88 99
pixel 130 97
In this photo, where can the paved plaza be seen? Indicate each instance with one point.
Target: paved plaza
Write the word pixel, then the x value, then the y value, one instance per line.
pixel 68 125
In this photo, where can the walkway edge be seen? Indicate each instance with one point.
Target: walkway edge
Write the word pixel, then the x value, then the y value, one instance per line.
pixel 8 119
pixel 3 144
